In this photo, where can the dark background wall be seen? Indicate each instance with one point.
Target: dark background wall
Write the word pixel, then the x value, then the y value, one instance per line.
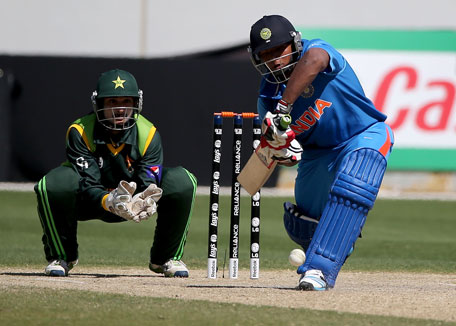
pixel 41 96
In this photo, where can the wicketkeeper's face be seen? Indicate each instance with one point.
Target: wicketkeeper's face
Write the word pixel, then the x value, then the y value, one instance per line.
pixel 118 110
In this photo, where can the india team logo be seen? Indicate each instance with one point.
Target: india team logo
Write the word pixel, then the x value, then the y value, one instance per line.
pixel 265 33
pixel 308 92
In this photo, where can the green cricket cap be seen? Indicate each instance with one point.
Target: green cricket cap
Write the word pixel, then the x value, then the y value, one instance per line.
pixel 115 83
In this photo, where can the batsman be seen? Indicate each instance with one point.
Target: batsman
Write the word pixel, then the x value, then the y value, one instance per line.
pixel 114 172
pixel 337 137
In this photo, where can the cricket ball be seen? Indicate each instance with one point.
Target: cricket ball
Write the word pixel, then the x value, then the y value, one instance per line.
pixel 297 257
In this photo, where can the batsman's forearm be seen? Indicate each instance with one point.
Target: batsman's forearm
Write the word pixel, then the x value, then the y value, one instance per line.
pixel 307 69
pixel 299 81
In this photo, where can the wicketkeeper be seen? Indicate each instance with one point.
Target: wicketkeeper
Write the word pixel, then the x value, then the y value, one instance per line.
pixel 114 173
pixel 337 135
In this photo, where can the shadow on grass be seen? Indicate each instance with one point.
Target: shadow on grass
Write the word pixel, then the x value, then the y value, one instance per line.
pixel 243 287
pixel 95 275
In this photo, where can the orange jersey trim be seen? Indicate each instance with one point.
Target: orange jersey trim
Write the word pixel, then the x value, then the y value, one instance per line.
pixel 387 145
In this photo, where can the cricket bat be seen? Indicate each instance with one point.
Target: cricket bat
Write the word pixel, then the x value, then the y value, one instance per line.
pixel 259 168
pixel 256 172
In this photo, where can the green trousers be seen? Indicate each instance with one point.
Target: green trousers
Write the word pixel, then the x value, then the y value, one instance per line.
pixel 59 210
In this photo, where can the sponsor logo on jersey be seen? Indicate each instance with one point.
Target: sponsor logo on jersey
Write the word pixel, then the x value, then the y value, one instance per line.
pixel 310 116
pixel 82 163
pixel 154 172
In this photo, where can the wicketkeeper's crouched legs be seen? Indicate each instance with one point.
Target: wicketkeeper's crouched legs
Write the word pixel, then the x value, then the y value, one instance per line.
pixel 56 194
pixel 174 214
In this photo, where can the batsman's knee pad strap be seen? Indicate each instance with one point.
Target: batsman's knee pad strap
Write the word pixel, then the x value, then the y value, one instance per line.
pixel 300 228
pixel 352 195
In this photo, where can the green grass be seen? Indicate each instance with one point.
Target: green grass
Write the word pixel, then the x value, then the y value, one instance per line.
pixel 46 307
pixel 398 236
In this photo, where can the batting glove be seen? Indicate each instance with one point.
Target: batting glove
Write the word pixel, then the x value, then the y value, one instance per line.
pixel 117 200
pixel 276 130
pixel 287 156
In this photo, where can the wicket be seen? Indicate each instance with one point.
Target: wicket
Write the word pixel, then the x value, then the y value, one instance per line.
pixel 235 197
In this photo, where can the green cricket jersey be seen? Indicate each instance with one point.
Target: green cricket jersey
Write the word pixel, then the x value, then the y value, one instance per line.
pixel 102 160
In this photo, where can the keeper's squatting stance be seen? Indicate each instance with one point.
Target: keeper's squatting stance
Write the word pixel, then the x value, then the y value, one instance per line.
pixel 114 172
pixel 337 136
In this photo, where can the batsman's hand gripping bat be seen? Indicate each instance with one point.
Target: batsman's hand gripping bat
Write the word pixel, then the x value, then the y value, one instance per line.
pixel 260 165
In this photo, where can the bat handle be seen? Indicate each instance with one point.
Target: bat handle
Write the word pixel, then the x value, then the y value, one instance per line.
pixel 284 122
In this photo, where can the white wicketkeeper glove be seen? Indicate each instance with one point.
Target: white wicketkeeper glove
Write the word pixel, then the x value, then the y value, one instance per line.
pixel 276 130
pixel 144 204
pixel 118 200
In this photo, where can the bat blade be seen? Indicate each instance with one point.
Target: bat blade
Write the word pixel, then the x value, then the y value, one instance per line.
pixel 256 172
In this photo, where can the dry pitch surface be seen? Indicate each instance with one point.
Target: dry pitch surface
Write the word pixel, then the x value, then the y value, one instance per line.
pixel 423 296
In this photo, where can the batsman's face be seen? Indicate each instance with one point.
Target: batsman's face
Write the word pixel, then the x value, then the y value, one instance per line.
pixel 277 57
pixel 118 110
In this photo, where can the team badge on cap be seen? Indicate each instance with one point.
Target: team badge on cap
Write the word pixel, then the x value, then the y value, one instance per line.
pixel 265 33
pixel 119 82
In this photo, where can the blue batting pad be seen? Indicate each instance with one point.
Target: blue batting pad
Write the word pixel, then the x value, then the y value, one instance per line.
pixel 352 195
pixel 300 228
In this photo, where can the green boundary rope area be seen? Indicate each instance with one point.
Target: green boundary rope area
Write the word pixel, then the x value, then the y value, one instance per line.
pixel 414 159
pixel 396 40
pixel 423 159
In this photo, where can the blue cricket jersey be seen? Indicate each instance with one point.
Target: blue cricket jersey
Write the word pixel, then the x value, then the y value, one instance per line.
pixel 333 109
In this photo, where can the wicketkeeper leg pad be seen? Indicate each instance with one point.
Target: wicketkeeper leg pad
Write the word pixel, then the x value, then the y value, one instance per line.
pixel 300 228
pixel 352 195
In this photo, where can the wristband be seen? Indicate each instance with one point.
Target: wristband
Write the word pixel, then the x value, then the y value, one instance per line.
pixel 283 107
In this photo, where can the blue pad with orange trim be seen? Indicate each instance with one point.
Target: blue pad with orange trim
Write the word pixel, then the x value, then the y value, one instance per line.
pixel 352 195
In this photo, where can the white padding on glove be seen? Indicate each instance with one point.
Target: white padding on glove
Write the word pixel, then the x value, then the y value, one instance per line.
pixel 273 133
pixel 144 204
pixel 118 200
pixel 290 155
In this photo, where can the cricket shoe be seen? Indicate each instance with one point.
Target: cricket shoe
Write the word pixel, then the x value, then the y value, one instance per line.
pixel 59 267
pixel 172 268
pixel 312 280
